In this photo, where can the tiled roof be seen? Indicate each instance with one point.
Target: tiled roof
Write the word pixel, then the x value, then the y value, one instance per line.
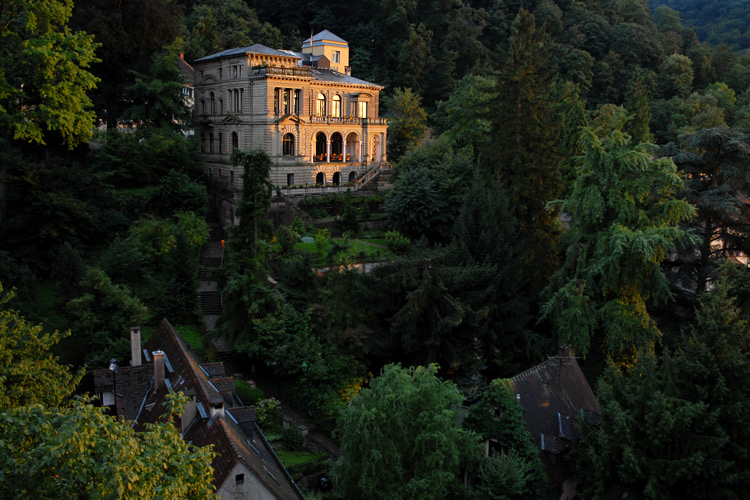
pixel 252 49
pixel 223 385
pixel 214 369
pixel 243 414
pixel 225 433
pixel 554 395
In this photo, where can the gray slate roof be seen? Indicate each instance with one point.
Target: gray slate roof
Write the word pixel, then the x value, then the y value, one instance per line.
pixel 252 49
pixel 329 75
pixel 325 35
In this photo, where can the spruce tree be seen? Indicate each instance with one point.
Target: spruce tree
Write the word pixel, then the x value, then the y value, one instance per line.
pixel 522 152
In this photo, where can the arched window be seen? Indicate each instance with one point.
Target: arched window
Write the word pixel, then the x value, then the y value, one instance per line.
pixel 235 140
pixel 288 145
pixel 320 105
pixel 336 107
pixel 352 176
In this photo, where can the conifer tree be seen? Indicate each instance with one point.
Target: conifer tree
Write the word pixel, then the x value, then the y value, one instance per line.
pixel 676 427
pixel 624 219
pixel 522 152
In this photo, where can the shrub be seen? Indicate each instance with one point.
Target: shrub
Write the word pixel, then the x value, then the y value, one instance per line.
pixel 248 395
pixel 292 437
pixel 396 242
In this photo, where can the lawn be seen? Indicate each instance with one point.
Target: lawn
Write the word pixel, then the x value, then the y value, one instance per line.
pixel 355 251
pixel 290 458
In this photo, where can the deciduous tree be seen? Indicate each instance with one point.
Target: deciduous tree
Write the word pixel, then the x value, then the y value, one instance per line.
pixel 400 438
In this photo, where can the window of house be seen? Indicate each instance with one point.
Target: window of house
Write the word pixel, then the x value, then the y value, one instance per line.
pixel 221 142
pixel 336 56
pixel 297 102
pixel 242 94
pixel 213 104
pixel 239 479
pixel 276 104
pixel 287 101
pixel 336 106
pixel 320 105
pixel 220 74
pixel 290 179
pixel 235 140
pixel 203 142
pixel 234 71
pixel 362 112
pixel 211 142
pixel 288 145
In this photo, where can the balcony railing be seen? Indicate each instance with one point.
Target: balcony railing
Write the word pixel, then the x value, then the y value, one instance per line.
pixel 330 120
pixel 275 70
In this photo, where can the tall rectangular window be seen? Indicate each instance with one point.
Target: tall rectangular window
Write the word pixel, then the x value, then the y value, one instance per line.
pixel 290 179
pixel 242 95
pixel 287 101
pixel 234 71
pixel 336 56
pixel 276 101
pixel 297 102
pixel 362 110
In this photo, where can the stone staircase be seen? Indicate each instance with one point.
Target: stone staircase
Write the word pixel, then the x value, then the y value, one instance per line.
pixel 210 302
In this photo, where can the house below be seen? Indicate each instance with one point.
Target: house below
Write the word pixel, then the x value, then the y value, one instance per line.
pixel 245 465
pixel 555 396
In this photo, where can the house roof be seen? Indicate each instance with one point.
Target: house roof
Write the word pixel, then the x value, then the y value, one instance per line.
pixel 329 75
pixel 142 404
pixel 325 35
pixel 554 395
pixel 251 49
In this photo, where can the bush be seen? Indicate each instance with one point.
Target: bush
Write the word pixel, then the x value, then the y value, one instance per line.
pixel 292 437
pixel 269 415
pixel 248 395
pixel 396 242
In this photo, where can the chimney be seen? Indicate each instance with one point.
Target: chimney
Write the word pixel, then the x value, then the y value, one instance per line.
pixel 348 71
pixel 182 56
pixel 135 346
pixel 158 369
pixel 565 351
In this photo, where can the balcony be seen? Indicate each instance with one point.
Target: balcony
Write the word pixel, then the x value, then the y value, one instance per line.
pixel 276 70
pixel 330 120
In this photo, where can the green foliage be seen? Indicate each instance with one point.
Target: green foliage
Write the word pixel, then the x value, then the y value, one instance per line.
pixel 156 98
pixel 269 415
pixel 45 78
pixel 293 439
pixel 176 192
pixel 713 162
pixel 101 318
pixel 248 395
pixel 675 76
pixel 430 186
pixel 522 153
pixel 396 242
pixel 624 220
pixel 675 427
pixel 80 451
pixel 216 25
pixel 348 221
pixel 29 373
pixel 400 438
pixel 499 416
pixel 254 205
pixel 407 123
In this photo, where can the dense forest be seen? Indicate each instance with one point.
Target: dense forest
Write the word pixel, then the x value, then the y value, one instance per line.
pixel 715 22
pixel 565 172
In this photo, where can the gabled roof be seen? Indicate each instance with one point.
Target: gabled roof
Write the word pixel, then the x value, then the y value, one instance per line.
pixel 325 35
pixel 554 395
pixel 251 49
pixel 142 404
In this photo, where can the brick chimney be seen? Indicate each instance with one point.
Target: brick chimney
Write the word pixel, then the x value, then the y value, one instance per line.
pixel 565 351
pixel 158 369
pixel 135 346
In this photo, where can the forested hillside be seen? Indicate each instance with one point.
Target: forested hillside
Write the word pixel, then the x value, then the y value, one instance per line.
pixel 564 172
pixel 715 21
